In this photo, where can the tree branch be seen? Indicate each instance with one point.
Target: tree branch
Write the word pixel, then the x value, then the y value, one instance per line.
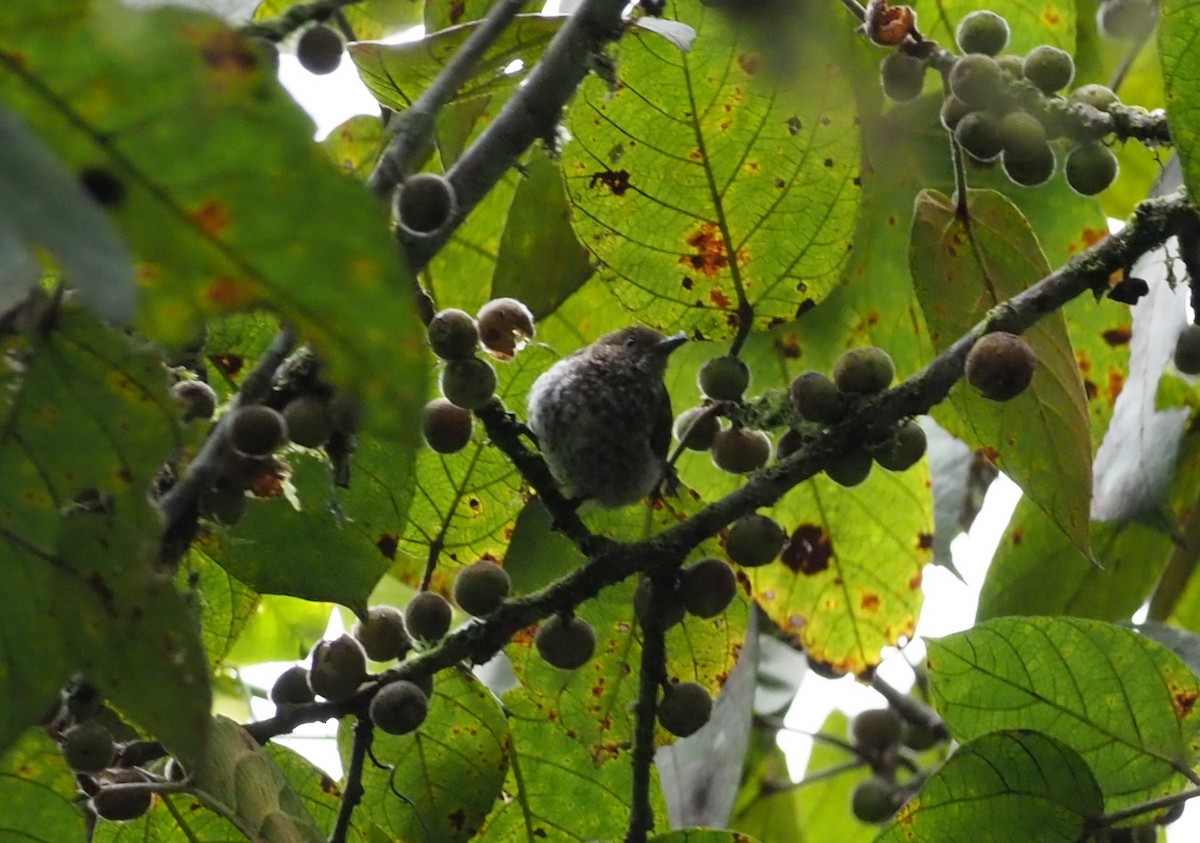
pixel 352 793
pixel 414 127
pixel 610 562
pixel 179 505
pixel 650 680
pixel 284 24
pixel 532 112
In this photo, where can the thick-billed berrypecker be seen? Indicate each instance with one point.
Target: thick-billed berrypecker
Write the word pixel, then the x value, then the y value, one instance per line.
pixel 602 417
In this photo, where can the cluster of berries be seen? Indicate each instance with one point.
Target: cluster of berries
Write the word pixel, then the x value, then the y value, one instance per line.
pixel 468 382
pixel 338 667
pixel 1004 107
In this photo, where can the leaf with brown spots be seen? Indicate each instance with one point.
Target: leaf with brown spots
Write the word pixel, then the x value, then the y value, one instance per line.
pixel 455 763
pixel 370 20
pixel 1117 698
pixel 729 179
pixel 1041 437
pixel 85 422
pixel 207 208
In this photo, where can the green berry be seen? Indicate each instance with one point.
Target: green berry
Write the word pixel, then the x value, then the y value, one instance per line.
pixel 740 450
pixel 120 805
pixel 977 80
pixel 452 334
pixel 982 32
pixel 502 323
pixel 903 448
pixel 873 800
pixel 1021 134
pixel 919 738
pixel 565 643
pixel 198 399
pixel 754 540
pixel 481 588
pixel 256 430
pixel 816 398
pixel 383 634
pixel 424 203
pixel 850 469
pixel 291 688
pixel 1013 66
pixel 309 422
pixel 953 110
pixel 88 747
pixel 863 371
pixel 1090 168
pixel 1126 20
pixel 427 616
pixel 338 668
pixel 1097 96
pixel 700 432
pixel 399 708
pixel 902 76
pixel 1049 68
pixel 1000 365
pixel 724 378
pixel 876 729
pixel 978 133
pixel 1032 169
pixel 684 708
pixel 446 427
pixel 320 49
pixel 469 383
pixel 669 610
pixel 707 588
pixel 1187 350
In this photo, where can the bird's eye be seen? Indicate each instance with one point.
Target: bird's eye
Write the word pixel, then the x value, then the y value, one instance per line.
pixel 630 342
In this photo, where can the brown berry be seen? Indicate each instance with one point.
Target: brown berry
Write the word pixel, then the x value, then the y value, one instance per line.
pixel 1000 365
pixel 684 708
pixel 256 430
pixel 446 427
pixel 399 708
pixel 383 634
pixel 565 643
pixel 502 324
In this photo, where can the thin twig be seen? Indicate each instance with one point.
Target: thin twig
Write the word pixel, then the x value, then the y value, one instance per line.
pixel 531 113
pixel 650 680
pixel 179 505
pixel 352 793
pixel 414 127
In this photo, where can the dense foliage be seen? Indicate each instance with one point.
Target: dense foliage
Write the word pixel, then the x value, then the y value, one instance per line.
pixel 245 376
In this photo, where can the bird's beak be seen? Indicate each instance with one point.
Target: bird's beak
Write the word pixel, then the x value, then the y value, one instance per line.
pixel 668 344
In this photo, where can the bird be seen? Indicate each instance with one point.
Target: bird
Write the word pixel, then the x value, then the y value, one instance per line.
pixel 602 417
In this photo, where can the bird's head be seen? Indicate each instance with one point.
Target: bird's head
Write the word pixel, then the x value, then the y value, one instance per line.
pixel 645 346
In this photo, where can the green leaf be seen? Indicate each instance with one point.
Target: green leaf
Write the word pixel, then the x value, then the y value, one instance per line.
pixel 226 605
pixel 1018 785
pixel 281 629
pixel 370 19
pixel 1178 20
pixel 207 189
pixel 595 703
pixel 1122 701
pixel 540 260
pixel 465 503
pixel 701 835
pixel 1040 438
pixel 749 185
pixel 38 791
pixel 238 777
pixel 452 768
pixel 173 818
pixel 396 74
pixel 1038 571
pixel 355 145
pixel 85 424
pixel 321 795
pixel 49 208
pixel 441 14
pixel 308 546
pixel 562 790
